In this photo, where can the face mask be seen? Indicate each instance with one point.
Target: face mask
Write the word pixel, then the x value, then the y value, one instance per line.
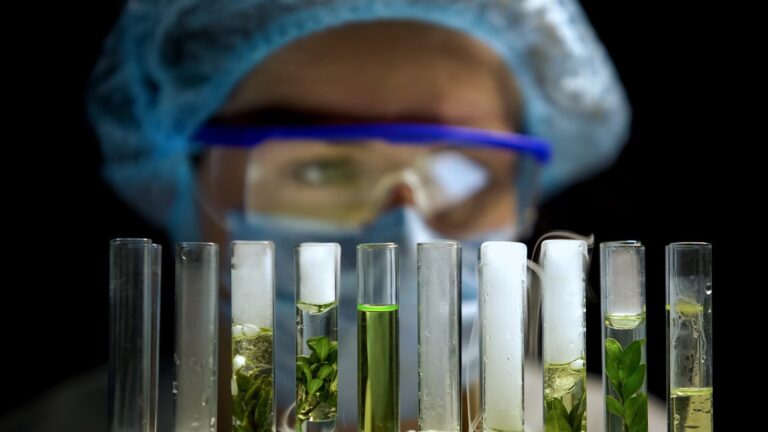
pixel 403 226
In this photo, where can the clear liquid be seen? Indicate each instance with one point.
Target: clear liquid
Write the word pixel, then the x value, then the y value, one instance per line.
pixel 568 384
pixel 378 404
pixel 312 413
pixel 439 348
pixel 691 409
pixel 252 381
pixel 624 328
pixel 690 334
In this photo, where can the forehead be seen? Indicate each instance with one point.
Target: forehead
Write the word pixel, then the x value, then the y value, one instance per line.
pixel 384 71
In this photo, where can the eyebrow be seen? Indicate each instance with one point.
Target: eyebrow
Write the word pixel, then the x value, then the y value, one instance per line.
pixel 289 116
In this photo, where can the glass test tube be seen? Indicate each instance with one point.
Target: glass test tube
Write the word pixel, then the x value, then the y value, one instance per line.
pixel 378 355
pixel 563 334
pixel 317 367
pixel 253 291
pixel 134 297
pixel 502 273
pixel 622 282
pixel 439 305
pixel 689 340
pixel 196 356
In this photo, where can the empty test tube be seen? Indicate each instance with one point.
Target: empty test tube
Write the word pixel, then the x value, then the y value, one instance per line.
pixel 439 306
pixel 134 297
pixel 196 355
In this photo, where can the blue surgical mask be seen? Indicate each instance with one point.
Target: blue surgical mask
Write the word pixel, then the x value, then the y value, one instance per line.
pixel 403 226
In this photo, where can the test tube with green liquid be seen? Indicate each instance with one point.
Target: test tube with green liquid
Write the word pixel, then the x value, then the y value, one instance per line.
pixel 378 369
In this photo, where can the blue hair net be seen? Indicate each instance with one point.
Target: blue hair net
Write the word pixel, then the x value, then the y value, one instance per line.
pixel 168 65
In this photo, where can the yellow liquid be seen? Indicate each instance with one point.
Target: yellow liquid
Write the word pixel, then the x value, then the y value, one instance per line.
pixel 691 409
pixel 618 321
pixel 688 309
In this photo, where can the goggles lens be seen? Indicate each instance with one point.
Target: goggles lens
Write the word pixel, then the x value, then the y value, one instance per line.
pixel 460 186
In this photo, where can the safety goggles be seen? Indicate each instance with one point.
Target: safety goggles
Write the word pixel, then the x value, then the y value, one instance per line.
pixel 462 180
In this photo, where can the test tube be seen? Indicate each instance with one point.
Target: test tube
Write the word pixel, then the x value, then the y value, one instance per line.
pixel 134 297
pixel 196 356
pixel 317 367
pixel 622 282
pixel 378 356
pixel 689 343
pixel 439 306
pixel 502 273
pixel 563 334
pixel 253 291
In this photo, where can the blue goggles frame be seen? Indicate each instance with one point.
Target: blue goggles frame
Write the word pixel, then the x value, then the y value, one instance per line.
pixel 396 133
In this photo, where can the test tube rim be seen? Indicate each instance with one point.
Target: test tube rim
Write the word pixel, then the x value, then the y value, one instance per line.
pixel 383 245
pixel 622 243
pixel 438 243
pixel 692 245
pixel 252 242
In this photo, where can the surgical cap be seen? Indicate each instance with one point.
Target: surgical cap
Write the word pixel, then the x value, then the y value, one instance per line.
pixel 168 65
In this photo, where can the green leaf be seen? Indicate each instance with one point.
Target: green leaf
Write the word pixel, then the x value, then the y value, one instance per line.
pixel 630 359
pixel 612 356
pixel 555 423
pixel 634 382
pixel 576 416
pixel 614 406
pixel 307 373
pixel 314 386
pixel 319 346
pixel 263 414
pixel 557 406
pixel 636 409
pixel 303 360
pixel 639 427
pixel 324 372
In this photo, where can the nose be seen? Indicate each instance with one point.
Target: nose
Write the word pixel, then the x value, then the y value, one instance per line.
pixel 399 195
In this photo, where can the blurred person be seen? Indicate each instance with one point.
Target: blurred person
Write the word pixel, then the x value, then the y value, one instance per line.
pixel 353 121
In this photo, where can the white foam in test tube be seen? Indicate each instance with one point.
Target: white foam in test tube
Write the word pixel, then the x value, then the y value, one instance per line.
pixel 318 267
pixel 253 281
pixel 563 300
pixel 502 313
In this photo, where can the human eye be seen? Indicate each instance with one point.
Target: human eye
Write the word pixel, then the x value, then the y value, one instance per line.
pixel 326 172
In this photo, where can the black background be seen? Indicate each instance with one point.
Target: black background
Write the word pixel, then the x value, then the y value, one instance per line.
pixel 672 183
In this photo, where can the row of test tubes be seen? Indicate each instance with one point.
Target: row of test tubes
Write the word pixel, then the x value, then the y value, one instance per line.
pixel 504 299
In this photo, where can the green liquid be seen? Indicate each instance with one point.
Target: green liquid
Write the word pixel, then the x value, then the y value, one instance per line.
pixel 691 409
pixel 378 404
pixel 252 383
pixel 625 329
pixel 565 396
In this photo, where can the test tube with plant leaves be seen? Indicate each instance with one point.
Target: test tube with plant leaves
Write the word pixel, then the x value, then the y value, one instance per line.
pixel 253 290
pixel 563 334
pixel 622 283
pixel 317 286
